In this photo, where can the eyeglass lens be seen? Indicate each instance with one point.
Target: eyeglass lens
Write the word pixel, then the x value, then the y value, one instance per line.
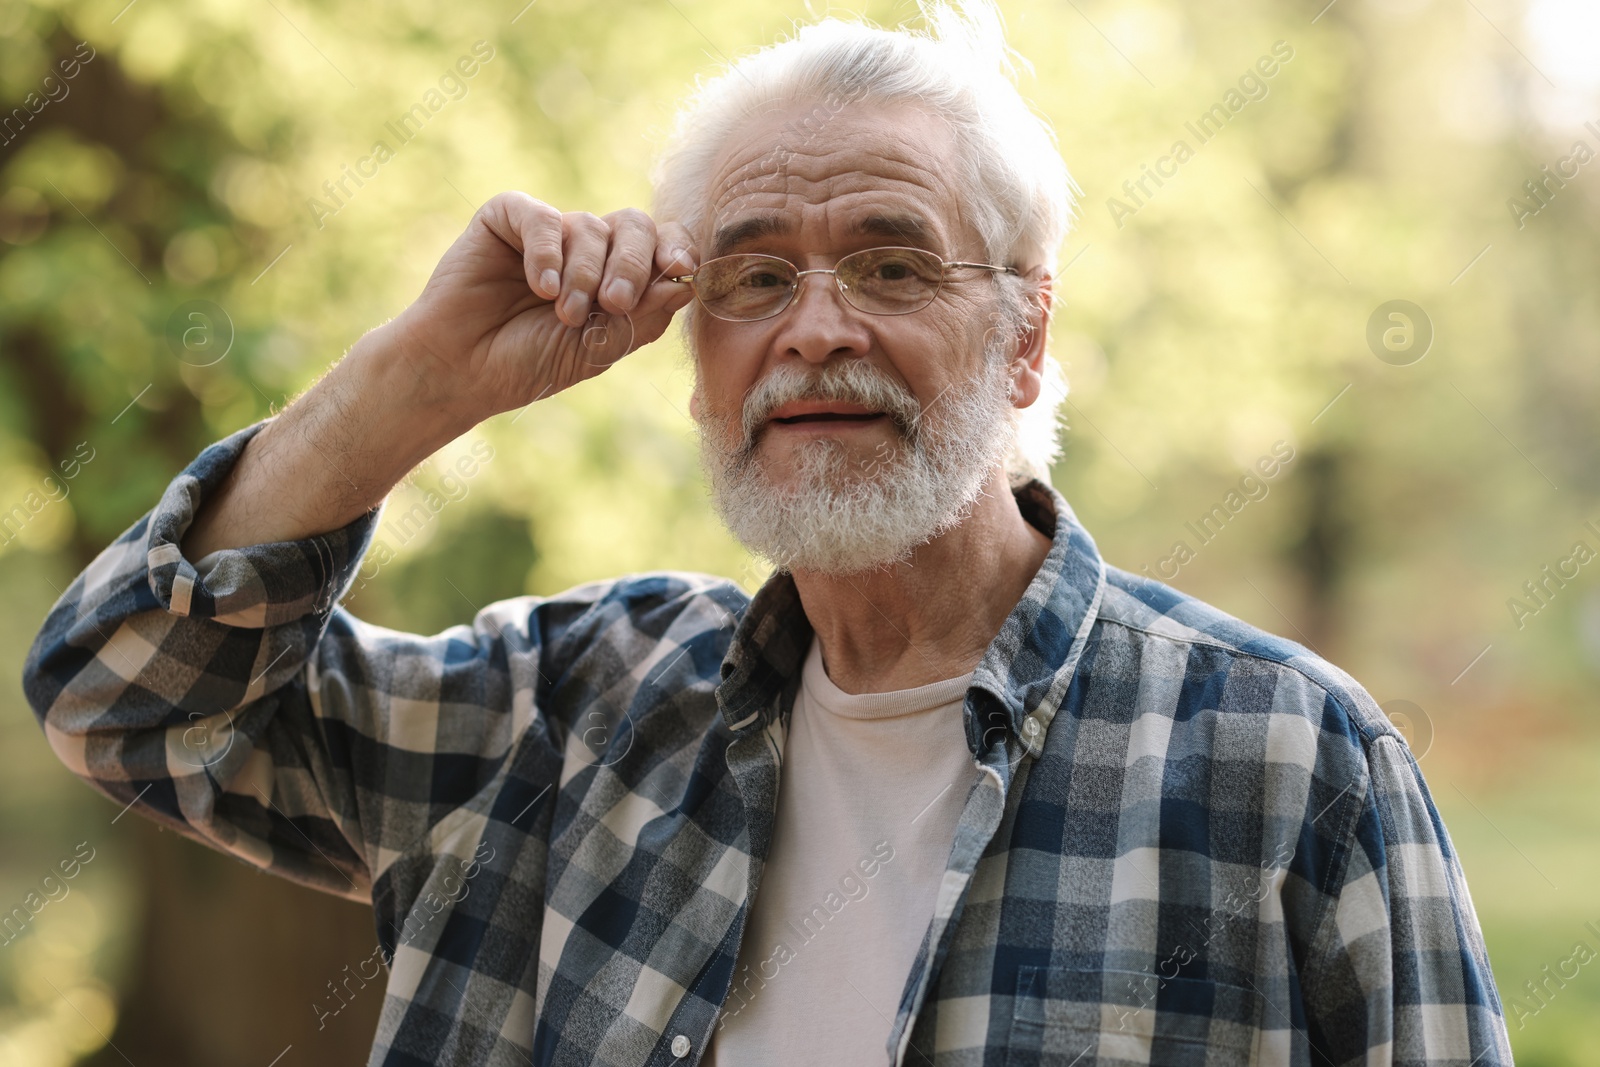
pixel 882 281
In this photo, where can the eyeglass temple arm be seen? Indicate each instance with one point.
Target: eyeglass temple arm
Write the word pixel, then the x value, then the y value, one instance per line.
pixel 985 266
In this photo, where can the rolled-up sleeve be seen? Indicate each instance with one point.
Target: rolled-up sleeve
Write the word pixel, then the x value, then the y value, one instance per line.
pixel 1402 975
pixel 237 702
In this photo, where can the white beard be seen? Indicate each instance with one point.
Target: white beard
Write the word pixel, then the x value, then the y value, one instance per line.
pixel 842 516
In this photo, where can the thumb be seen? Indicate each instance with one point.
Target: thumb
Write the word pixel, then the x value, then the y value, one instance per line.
pixel 654 312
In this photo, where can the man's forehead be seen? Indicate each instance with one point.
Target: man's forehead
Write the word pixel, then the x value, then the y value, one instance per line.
pixel 864 170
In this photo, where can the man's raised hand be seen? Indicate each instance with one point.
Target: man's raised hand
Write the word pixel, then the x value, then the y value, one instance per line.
pixel 487 334
pixel 530 300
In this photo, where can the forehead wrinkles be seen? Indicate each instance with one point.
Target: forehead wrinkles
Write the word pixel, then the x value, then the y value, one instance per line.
pixel 767 171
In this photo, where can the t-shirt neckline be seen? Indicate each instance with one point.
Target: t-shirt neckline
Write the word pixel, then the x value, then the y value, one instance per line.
pixel 821 690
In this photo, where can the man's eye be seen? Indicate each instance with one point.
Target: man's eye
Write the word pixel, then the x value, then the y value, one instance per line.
pixel 761 279
pixel 894 268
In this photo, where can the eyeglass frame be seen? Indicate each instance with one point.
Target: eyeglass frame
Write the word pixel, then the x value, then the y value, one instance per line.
pixel 794 289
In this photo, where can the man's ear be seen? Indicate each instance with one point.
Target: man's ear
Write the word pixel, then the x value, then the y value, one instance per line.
pixel 1027 364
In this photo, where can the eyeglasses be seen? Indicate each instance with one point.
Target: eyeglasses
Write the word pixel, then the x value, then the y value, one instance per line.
pixel 880 281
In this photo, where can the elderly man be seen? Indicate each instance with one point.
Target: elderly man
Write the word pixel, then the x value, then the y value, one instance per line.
pixel 947 790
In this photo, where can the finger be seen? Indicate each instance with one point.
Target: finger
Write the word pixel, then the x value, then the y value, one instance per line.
pixel 663 295
pixel 533 228
pixel 583 254
pixel 633 242
pixel 655 310
pixel 674 256
pixel 675 251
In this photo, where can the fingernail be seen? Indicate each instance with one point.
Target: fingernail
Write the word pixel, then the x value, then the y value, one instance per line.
pixel 622 293
pixel 550 282
pixel 576 304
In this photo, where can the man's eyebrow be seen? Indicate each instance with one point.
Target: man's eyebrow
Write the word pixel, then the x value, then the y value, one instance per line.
pixel 735 234
pixel 909 229
pixel 906 229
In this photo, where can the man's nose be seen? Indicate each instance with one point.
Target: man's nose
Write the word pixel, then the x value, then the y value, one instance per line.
pixel 821 324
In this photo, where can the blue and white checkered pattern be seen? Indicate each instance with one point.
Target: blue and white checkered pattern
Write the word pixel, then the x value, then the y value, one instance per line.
pixel 1191 842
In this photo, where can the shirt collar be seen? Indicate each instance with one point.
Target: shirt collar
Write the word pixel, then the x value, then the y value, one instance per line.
pixel 1024 673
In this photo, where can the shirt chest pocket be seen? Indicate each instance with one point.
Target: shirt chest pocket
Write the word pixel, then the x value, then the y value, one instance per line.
pixel 1066 1017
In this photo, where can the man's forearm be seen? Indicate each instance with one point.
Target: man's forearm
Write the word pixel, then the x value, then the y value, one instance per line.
pixel 332 454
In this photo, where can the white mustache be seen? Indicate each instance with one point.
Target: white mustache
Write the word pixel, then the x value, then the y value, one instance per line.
pixel 847 381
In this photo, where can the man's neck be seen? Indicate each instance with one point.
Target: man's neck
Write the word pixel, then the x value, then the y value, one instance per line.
pixel 932 617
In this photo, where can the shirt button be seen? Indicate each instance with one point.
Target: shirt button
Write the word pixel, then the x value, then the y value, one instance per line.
pixel 1031 726
pixel 680 1046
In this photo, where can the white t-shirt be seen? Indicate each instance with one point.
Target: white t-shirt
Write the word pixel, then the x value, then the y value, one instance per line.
pixel 869 793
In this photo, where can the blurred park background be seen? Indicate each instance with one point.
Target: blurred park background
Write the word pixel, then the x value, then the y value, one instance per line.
pixel 1437 152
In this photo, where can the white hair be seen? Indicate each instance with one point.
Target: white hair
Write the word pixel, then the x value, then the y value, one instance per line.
pixel 1007 162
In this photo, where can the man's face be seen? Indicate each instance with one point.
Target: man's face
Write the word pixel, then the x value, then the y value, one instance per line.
pixel 859 435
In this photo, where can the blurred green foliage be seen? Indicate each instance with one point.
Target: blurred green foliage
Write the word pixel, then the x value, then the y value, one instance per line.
pixel 1228 311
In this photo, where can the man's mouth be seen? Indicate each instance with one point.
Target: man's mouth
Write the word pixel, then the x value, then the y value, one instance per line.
pixel 823 411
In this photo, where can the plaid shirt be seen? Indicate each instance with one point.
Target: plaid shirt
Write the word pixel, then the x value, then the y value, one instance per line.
pixel 1188 841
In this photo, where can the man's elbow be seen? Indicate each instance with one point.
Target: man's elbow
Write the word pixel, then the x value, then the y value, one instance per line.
pixel 77 694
